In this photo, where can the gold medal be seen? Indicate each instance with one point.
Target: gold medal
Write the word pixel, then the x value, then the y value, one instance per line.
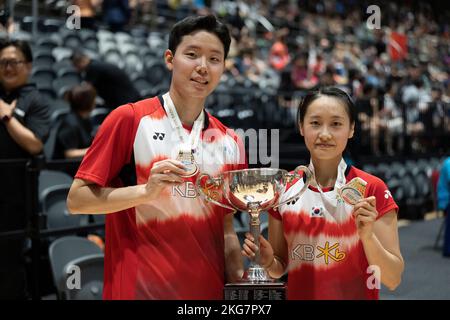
pixel 187 159
pixel 353 191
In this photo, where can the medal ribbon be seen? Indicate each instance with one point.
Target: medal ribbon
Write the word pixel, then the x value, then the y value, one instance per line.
pixel 188 143
pixel 330 204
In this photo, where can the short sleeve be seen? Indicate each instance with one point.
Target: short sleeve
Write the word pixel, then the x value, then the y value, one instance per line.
pixel 111 149
pixel 37 118
pixel 384 200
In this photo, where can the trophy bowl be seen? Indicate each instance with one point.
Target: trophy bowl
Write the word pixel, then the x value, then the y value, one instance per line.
pixel 252 191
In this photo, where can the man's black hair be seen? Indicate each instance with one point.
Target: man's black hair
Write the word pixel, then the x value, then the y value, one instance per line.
pixel 21 45
pixel 208 23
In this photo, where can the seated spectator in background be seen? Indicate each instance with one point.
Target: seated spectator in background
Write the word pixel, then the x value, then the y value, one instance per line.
pixel 75 133
pixel 112 83
pixel 24 122
pixel 279 56
pixel 433 117
pixel 301 77
pixel 327 78
pixel 367 126
pixel 443 190
pixel 6 22
pixel 116 14
pixel 250 66
pixel 88 12
pixel 391 120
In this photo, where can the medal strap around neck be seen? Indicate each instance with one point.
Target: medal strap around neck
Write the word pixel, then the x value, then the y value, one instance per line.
pixel 188 142
pixel 330 204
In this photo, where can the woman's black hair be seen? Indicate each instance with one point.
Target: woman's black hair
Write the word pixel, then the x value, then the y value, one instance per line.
pixel 81 97
pixel 335 92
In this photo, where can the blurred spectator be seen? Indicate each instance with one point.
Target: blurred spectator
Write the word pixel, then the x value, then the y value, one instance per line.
pixel 443 190
pixel 435 121
pixel 88 12
pixel 24 122
pixel 75 133
pixel 302 78
pixel 391 120
pixel 250 66
pixel 279 56
pixel 6 21
pixel 112 84
pixel 327 78
pixel 368 119
pixel 116 14
pixel 319 65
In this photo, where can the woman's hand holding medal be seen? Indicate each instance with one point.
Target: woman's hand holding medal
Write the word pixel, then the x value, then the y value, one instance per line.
pixel 365 214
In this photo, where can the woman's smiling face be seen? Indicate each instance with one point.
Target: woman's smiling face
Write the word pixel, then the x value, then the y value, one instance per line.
pixel 326 128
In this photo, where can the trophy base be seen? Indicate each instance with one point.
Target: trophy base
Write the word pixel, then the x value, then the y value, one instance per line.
pixel 255 291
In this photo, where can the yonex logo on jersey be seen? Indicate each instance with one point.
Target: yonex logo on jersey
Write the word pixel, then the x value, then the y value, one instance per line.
pixel 159 135
pixel 292 202
pixel 307 252
pixel 387 194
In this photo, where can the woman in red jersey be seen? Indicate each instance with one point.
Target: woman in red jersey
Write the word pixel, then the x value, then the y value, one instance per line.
pixel 339 240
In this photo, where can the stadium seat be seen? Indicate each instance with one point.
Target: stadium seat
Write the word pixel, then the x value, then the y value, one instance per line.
pixel 123 38
pixel 44 60
pixel 64 83
pixel 87 34
pixel 65 250
pixel 142 85
pixel 157 74
pixel 133 63
pixel 54 208
pixel 105 35
pixel 46 43
pixel 51 25
pixel 128 48
pixel 91 44
pixel 47 93
pixel 105 46
pixel 64 63
pixel 98 115
pixel 114 57
pixel 43 78
pixel 72 40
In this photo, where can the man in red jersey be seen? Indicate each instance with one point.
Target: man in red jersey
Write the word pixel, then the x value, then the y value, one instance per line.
pixel 162 240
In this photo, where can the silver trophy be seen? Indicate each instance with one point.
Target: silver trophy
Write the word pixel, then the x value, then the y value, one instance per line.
pixel 253 191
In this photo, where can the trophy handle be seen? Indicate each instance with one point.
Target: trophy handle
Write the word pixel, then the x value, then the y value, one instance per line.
pixel 216 182
pixel 291 176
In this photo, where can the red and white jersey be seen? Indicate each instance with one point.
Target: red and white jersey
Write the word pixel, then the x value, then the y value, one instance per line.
pixel 171 248
pixel 326 256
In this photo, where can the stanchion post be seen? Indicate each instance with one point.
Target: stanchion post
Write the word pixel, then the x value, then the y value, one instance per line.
pixel 33 168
